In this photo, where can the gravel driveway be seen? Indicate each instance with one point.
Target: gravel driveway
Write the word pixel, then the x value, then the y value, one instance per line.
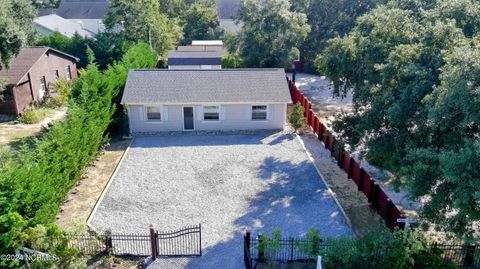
pixel 225 182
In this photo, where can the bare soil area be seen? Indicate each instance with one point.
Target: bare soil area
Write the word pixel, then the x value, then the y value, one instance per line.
pixel 82 199
pixel 13 132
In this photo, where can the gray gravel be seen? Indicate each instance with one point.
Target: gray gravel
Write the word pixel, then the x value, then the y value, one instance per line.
pixel 227 183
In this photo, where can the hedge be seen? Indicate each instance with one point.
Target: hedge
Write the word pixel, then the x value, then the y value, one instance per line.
pixel 35 181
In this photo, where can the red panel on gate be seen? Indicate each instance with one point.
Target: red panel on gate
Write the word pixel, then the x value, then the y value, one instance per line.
pixel 356 173
pixel 346 162
pixel 366 183
pixel 394 215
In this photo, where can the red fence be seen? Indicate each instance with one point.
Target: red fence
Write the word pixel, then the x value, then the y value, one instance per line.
pixel 366 184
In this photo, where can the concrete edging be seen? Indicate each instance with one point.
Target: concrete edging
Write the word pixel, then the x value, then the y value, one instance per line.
pixel 334 196
pixel 104 191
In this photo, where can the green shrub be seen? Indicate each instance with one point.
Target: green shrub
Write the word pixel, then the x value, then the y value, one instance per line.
pixel 31 116
pixel 34 184
pixel 297 118
pixel 61 91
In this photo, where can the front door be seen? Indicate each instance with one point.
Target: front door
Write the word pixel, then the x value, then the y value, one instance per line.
pixel 188 123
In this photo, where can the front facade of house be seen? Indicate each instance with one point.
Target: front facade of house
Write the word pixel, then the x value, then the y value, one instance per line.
pixel 30 74
pixel 206 100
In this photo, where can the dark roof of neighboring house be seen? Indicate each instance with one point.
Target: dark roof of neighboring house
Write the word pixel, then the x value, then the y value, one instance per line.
pixel 46 11
pixel 227 9
pixel 83 9
pixel 162 86
pixel 194 57
pixel 20 65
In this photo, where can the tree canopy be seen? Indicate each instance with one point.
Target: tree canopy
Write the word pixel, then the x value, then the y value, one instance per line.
pixel 414 67
pixel 142 20
pixel 16 17
pixel 271 33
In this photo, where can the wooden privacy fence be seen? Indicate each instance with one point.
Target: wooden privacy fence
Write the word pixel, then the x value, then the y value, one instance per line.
pixel 365 183
pixel 183 242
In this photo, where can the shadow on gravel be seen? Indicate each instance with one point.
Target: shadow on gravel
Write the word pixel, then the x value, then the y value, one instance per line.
pixel 294 201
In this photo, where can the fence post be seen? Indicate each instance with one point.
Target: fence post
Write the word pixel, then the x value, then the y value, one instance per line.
pixel 350 167
pixel 261 248
pixel 340 159
pixel 108 241
pixel 388 219
pixel 153 242
pixel 291 249
pixel 360 180
pixel 371 192
pixel 470 256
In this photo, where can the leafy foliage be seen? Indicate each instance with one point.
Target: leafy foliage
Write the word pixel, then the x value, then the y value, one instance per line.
pixel 414 68
pixel 271 33
pixel 143 21
pixel 382 249
pixel 297 118
pixel 330 19
pixel 107 48
pixel 16 17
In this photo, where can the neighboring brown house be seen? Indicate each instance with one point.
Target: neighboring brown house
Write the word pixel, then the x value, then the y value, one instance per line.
pixel 29 75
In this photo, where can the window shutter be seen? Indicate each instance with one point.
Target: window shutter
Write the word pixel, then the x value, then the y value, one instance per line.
pixel 165 113
pixel 223 113
pixel 199 112
pixel 141 113
pixel 269 112
pixel 248 112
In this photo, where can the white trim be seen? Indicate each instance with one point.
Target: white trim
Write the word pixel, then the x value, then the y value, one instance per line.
pixel 145 117
pixel 183 118
pixel 267 119
pixel 219 113
pixel 129 113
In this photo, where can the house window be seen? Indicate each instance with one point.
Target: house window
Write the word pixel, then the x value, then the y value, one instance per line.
pixel 259 112
pixel 69 73
pixel 153 113
pixel 211 113
pixel 56 75
pixel 43 87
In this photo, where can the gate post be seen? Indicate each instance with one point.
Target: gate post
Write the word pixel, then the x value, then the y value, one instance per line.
pixel 108 241
pixel 470 256
pixel 153 242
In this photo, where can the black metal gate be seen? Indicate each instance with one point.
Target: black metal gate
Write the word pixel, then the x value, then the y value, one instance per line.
pixel 180 243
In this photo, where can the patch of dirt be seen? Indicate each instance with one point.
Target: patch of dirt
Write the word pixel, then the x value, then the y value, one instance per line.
pixel 82 198
pixel 13 132
pixel 362 217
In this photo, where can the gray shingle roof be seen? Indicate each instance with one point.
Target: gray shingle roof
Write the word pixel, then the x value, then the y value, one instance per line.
pixel 227 9
pixel 83 9
pixel 206 86
pixel 21 64
pixel 67 28
pixel 194 57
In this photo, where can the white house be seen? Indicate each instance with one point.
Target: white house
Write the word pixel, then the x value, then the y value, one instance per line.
pixel 49 24
pixel 206 100
pixel 89 14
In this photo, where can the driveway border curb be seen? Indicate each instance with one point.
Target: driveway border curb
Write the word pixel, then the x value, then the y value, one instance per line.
pixel 334 196
pixel 110 180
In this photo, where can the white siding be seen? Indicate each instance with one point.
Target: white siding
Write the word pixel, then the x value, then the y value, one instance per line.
pixel 232 117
